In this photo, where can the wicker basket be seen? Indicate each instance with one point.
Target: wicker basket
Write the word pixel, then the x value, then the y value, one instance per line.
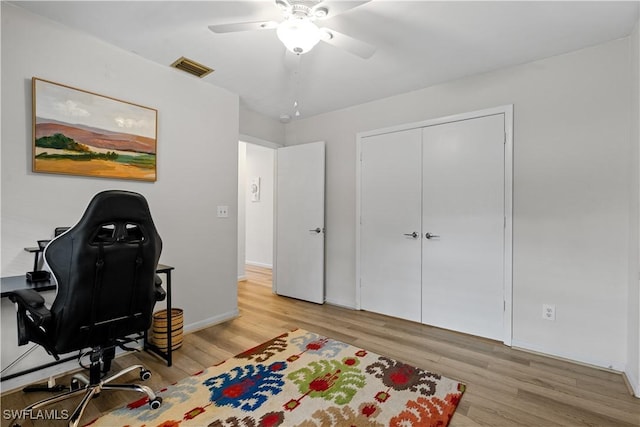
pixel 159 329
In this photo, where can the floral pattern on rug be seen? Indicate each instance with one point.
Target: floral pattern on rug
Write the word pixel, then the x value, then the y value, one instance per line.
pixel 299 379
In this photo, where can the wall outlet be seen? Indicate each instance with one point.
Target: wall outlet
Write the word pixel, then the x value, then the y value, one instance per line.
pixel 223 211
pixel 549 311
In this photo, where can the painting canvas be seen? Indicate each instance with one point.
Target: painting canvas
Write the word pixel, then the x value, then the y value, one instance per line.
pixel 82 133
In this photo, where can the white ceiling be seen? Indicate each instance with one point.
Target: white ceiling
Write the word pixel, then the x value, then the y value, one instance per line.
pixel 419 43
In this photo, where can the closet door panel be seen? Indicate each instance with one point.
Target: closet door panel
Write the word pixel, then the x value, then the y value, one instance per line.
pixel 390 261
pixel 463 210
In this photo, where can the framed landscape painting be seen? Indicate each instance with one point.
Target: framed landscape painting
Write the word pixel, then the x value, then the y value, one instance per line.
pixel 77 132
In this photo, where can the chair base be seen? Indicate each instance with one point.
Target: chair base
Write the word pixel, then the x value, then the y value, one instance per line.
pixel 91 390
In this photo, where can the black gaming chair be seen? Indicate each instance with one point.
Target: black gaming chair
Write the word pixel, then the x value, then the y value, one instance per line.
pixel 104 268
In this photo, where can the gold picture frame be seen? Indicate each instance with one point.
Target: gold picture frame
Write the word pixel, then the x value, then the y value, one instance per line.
pixel 76 132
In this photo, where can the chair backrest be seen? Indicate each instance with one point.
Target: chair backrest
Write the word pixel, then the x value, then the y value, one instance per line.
pixel 59 230
pixel 104 267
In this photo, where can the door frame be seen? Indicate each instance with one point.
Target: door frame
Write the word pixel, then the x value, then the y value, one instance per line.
pixel 507 110
pixel 273 145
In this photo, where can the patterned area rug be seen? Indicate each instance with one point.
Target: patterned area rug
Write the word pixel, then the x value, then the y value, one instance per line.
pixel 300 379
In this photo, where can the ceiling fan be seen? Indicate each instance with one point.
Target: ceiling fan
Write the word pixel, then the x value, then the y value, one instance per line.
pixel 299 32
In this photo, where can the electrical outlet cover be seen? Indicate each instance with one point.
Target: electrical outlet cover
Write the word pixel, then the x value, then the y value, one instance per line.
pixel 223 211
pixel 549 311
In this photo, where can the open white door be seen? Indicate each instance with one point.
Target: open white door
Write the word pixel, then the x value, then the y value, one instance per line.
pixel 299 234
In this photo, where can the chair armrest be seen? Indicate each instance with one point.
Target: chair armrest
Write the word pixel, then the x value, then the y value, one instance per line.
pixel 33 302
pixel 160 294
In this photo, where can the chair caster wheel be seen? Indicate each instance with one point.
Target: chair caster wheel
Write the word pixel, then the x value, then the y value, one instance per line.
pixel 145 374
pixel 155 403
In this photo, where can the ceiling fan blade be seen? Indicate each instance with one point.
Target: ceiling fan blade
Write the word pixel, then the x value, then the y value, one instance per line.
pixel 243 26
pixel 334 8
pixel 348 43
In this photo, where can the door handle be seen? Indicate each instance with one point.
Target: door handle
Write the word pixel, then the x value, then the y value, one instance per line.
pixel 414 234
pixel 429 235
pixel 317 230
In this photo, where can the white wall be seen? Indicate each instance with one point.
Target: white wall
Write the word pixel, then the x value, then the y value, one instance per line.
pixel 571 191
pixel 261 127
pixel 633 363
pixel 197 159
pixel 259 215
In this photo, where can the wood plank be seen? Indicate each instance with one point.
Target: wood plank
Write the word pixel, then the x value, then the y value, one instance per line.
pixel 505 386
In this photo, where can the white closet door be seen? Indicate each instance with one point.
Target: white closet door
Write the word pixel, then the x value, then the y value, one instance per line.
pixel 390 213
pixel 463 204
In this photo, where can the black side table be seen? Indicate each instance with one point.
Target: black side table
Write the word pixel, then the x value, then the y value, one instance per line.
pixel 148 346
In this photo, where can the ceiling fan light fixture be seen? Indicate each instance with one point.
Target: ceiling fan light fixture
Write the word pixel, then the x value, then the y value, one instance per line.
pixel 299 35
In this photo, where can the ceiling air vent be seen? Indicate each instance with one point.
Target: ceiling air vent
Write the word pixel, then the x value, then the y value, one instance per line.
pixel 192 67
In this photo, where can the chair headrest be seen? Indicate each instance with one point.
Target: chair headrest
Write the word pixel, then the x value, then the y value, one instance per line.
pixel 116 215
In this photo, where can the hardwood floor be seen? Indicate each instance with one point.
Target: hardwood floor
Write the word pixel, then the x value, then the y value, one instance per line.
pixel 258 275
pixel 505 387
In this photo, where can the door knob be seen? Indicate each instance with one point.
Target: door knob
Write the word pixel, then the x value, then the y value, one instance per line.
pixel 414 234
pixel 317 230
pixel 429 235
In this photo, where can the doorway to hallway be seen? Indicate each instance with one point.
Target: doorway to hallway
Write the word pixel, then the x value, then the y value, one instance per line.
pixel 255 206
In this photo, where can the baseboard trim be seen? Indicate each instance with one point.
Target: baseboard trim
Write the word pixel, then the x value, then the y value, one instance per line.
pixel 205 323
pixel 604 365
pixel 339 304
pixel 259 264
pixel 632 383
